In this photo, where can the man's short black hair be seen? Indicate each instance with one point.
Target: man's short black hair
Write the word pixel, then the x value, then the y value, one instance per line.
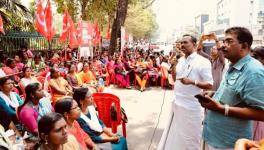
pixel 193 39
pixel 243 34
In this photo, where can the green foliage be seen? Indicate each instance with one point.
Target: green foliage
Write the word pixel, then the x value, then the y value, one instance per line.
pixel 71 5
pixel 140 22
pixel 92 10
pixel 15 16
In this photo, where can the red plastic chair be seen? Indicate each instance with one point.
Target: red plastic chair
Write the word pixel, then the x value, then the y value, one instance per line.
pixel 41 79
pixel 22 88
pixel 103 102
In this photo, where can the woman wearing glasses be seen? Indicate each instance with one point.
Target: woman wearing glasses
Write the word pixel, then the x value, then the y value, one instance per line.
pixel 71 112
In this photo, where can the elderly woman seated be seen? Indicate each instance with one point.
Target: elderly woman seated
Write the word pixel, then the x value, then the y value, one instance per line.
pixel 9 101
pixel 120 74
pixel 59 86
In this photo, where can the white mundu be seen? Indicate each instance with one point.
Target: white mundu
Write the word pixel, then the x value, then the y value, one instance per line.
pixel 183 131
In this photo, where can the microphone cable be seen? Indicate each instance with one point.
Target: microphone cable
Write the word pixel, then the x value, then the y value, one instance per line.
pixel 161 109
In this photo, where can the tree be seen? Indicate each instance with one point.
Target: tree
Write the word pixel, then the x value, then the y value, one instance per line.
pixel 15 15
pixel 92 10
pixel 115 12
pixel 143 25
pixel 118 22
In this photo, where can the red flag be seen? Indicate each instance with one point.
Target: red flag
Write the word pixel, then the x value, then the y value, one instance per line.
pixel 49 23
pixel 96 34
pixel 1 25
pixel 73 42
pixel 79 32
pixel 68 30
pixel 65 27
pixel 40 20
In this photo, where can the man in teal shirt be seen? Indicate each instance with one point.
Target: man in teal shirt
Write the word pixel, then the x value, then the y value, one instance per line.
pixel 240 97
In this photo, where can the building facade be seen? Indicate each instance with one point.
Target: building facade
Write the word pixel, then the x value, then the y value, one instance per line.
pixel 246 13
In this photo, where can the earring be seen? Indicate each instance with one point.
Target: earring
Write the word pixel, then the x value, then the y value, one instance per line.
pixel 46 141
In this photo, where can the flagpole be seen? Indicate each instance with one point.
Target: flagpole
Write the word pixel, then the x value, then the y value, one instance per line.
pixel 49 42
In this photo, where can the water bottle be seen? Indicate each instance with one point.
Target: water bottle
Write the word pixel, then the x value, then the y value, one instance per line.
pixel 101 82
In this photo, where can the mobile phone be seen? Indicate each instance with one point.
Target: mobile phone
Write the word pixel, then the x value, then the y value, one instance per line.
pixel 201 98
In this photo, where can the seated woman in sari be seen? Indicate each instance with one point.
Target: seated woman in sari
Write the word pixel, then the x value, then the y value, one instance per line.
pixel 86 75
pixel 34 107
pixel 72 77
pixel 19 64
pixel 37 65
pixel 28 78
pixel 129 68
pixel 9 101
pixel 152 71
pixel 92 125
pixel 121 75
pixel 59 86
pixel 11 69
pixel 71 112
pixel 110 70
pixel 141 74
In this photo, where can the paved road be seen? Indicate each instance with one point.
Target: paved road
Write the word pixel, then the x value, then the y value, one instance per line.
pixel 143 110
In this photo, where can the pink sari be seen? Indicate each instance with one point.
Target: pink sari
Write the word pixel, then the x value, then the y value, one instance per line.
pixel 123 79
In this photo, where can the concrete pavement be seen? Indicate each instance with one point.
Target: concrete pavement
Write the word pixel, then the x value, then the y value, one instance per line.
pixel 143 110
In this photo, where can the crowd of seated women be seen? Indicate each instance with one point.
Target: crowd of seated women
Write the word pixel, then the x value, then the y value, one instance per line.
pixel 49 102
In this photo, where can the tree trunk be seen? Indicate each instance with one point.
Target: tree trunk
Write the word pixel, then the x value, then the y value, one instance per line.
pixel 83 11
pixel 118 22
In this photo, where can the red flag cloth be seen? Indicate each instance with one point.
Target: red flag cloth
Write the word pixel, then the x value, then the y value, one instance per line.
pixel 65 27
pixel 68 30
pixel 73 42
pixel 79 32
pixel 96 34
pixel 49 22
pixel 1 25
pixel 40 23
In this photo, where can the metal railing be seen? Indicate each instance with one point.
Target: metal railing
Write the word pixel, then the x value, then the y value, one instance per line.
pixel 11 42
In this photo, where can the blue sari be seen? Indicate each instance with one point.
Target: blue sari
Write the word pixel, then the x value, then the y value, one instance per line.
pixel 95 136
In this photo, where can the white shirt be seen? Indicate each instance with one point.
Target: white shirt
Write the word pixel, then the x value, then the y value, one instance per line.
pixel 2 73
pixel 194 67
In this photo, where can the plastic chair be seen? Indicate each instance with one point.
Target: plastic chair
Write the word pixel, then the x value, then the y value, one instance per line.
pixel 103 102
pixel 20 85
pixel 41 79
